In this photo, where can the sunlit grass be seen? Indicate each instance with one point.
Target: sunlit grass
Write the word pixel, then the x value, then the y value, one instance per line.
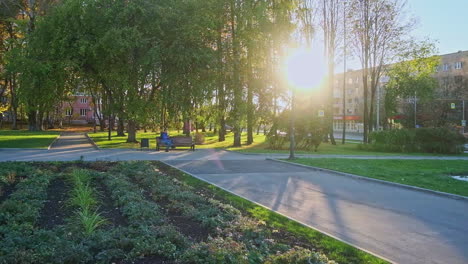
pixel 259 145
pixel 429 174
pixel 26 139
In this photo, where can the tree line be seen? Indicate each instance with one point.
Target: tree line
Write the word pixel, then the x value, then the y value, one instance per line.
pixel 214 62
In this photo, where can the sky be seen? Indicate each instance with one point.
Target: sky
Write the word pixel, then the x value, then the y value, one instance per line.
pixel 445 21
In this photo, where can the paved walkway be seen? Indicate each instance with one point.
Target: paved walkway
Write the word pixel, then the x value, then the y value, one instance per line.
pixel 405 226
pixel 72 141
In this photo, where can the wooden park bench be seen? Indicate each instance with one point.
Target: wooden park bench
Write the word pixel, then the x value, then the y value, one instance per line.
pixel 180 141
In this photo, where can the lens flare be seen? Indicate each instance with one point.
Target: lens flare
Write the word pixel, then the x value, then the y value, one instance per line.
pixel 305 69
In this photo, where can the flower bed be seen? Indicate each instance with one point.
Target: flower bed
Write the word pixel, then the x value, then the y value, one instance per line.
pixel 129 212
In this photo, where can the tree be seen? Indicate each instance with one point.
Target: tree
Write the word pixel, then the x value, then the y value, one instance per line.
pixel 412 77
pixel 379 28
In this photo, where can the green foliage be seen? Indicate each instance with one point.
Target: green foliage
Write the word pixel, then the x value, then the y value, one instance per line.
pixel 217 250
pixel 430 140
pixel 90 220
pixel 413 75
pixel 299 256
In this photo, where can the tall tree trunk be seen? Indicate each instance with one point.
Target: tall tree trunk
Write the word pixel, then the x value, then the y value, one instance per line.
pixel 120 127
pixel 187 127
pixel 250 106
pixel 32 121
pixel 221 96
pixel 131 129
pixel 236 82
pixel 13 104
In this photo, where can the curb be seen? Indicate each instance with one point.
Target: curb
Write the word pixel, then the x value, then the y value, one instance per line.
pixel 92 142
pixel 286 216
pixel 414 188
pixel 53 142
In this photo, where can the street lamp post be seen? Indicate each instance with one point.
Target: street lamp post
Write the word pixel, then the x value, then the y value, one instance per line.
pixel 343 136
pixel 292 120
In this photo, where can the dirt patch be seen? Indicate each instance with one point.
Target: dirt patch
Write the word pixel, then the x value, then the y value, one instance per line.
pixel 186 226
pixel 55 210
pixel 107 208
pixel 6 191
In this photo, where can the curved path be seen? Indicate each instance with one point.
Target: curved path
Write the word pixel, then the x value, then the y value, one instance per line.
pixel 402 225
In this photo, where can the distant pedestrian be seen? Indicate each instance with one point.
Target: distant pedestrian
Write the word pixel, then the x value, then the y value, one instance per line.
pixel 166 140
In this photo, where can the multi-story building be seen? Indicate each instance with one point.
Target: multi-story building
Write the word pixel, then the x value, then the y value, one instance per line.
pixel 78 110
pixel 451 74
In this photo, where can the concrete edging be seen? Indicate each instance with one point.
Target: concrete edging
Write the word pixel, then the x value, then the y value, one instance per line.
pixel 414 188
pixel 288 217
pixel 53 142
pixel 91 141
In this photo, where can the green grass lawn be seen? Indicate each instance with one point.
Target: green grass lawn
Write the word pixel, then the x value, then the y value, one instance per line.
pixel 26 139
pixel 211 140
pixel 429 174
pixel 100 138
pixel 259 145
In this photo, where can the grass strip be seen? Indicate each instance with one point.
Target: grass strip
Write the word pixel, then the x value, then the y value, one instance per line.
pixel 334 249
pixel 429 174
pixel 26 139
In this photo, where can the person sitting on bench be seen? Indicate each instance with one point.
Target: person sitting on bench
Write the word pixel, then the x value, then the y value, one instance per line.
pixel 166 140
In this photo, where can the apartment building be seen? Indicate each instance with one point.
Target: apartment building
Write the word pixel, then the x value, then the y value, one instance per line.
pixel 451 74
pixel 78 110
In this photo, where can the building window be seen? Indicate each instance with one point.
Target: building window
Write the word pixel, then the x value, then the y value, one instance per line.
pixel 83 112
pixel 458 65
pixel 68 112
pixel 446 67
pixel 356 100
pixel 83 100
pixel 350 80
pixel 350 101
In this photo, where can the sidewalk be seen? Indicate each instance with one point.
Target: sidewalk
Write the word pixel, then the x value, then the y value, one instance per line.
pixel 72 141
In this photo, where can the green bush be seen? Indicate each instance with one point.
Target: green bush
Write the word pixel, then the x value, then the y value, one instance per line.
pixel 430 140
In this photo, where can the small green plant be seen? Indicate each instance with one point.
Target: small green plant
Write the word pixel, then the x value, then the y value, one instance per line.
pixel 90 220
pixel 80 176
pixel 11 177
pixel 82 196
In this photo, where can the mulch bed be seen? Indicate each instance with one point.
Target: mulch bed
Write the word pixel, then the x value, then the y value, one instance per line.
pixel 107 208
pixel 55 210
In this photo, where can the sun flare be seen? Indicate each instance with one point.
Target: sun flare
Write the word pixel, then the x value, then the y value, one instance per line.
pixel 304 69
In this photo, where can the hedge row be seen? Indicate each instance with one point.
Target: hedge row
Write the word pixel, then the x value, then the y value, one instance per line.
pixel 429 140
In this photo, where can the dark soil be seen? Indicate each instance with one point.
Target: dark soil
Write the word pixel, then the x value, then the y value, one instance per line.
pixel 107 208
pixel 188 227
pixel 54 211
pixel 6 190
pixel 185 225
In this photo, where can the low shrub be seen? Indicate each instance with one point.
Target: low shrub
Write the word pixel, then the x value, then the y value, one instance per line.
pixel 299 256
pixel 199 138
pixel 429 140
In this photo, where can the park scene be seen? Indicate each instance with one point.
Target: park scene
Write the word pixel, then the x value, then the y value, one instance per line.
pixel 233 131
